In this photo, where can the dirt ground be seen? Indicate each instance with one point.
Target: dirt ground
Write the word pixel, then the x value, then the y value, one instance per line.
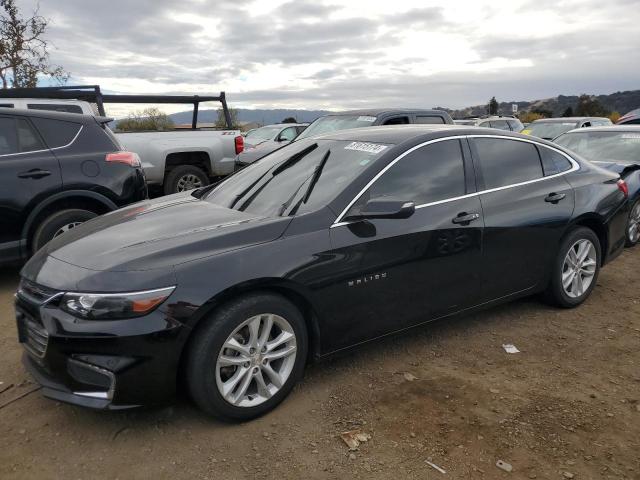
pixel 566 406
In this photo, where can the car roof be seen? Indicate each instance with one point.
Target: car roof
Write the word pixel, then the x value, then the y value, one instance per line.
pixel 608 128
pixel 66 116
pixel 374 112
pixel 565 119
pixel 283 125
pixel 397 134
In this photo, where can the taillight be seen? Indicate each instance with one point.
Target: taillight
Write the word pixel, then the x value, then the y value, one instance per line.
pixel 129 158
pixel 623 187
pixel 239 142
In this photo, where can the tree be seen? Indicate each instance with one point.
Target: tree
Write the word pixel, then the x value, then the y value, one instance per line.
pixel 528 117
pixel 614 117
pixel 24 53
pixel 589 106
pixel 568 112
pixel 222 122
pixel 493 106
pixel 289 120
pixel 147 119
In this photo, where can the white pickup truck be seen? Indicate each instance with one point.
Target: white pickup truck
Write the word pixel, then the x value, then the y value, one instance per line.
pixel 175 160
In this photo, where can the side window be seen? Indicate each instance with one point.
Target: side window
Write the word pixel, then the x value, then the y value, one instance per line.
pixel 500 124
pixel 53 107
pixel 288 134
pixel 300 129
pixel 429 120
pixel 506 162
pixel 56 133
pixel 397 121
pixel 515 125
pixel 28 137
pixel 429 174
pixel 6 105
pixel 553 162
pixel 484 124
pixel 8 136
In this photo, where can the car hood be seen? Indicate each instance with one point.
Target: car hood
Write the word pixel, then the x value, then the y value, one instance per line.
pixel 161 233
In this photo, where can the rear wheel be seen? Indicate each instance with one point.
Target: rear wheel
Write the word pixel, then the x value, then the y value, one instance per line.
pixel 57 224
pixel 185 177
pixel 247 357
pixel 633 225
pixel 576 268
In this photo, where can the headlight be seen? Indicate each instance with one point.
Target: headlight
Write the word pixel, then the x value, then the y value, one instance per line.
pixel 113 306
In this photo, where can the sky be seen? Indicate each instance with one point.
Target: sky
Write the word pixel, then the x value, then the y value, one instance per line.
pixel 360 53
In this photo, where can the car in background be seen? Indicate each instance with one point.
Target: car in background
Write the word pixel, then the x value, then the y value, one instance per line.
pixel 58 170
pixel 631 118
pixel 322 245
pixel 550 128
pixel 373 117
pixel 499 122
pixel 616 148
pixel 173 160
pixel 261 141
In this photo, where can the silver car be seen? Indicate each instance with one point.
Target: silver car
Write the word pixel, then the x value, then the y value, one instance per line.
pixel 261 141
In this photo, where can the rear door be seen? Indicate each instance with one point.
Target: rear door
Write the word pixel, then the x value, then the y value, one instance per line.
pixel 526 209
pixel 415 269
pixel 29 172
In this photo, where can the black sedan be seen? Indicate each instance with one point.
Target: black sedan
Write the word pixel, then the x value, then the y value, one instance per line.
pixel 325 244
pixel 615 148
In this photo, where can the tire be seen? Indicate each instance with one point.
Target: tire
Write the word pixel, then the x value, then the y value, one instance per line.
pixel 185 177
pixel 206 384
pixel 53 225
pixel 573 295
pixel 632 237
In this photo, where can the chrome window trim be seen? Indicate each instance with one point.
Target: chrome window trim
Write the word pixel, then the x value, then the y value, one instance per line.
pixel 574 166
pixel 47 149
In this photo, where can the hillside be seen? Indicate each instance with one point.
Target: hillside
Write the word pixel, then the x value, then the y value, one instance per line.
pixel 621 102
pixel 262 116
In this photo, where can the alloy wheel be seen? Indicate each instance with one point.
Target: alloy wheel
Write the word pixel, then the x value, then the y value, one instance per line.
pixel 633 227
pixel 256 360
pixel 188 182
pixel 66 228
pixel 579 268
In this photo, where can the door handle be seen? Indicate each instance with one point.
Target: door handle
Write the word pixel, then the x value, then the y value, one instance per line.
pixel 554 197
pixel 34 173
pixel 465 218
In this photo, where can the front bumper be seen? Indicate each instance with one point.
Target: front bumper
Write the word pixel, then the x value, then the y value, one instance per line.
pixel 100 364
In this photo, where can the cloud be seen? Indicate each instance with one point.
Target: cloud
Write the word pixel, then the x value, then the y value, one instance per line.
pixel 322 54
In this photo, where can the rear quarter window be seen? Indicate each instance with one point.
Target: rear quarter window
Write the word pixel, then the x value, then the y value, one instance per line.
pixel 56 133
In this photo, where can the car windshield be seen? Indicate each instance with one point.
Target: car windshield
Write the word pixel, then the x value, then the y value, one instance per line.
pixel 262 134
pixel 619 146
pixel 301 177
pixel 549 130
pixel 331 123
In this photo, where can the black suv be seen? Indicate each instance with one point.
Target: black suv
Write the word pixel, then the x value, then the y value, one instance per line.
pixel 58 170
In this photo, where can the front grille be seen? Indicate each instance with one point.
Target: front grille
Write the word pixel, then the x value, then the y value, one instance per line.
pixel 36 294
pixel 31 335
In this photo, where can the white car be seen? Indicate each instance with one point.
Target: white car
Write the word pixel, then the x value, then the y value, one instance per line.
pixel 176 160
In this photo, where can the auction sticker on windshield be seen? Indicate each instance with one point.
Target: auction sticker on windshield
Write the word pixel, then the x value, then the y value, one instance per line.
pixel 365 147
pixel 366 118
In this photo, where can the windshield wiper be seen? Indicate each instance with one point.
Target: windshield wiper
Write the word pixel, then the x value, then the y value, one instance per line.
pixel 314 180
pixel 280 168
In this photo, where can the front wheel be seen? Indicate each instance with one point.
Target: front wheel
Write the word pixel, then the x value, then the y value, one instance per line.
pixel 247 357
pixel 576 268
pixel 633 225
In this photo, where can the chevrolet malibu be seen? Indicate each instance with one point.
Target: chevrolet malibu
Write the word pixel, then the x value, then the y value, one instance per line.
pixel 327 243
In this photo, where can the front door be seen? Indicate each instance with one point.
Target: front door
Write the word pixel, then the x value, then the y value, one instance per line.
pixel 407 271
